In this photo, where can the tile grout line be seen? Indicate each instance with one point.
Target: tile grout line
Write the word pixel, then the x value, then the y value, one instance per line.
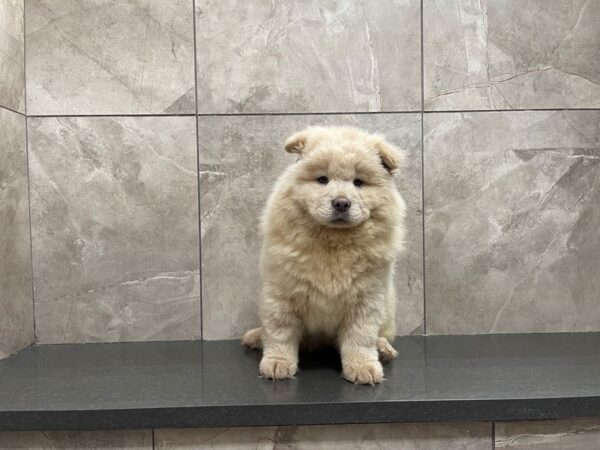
pixel 35 331
pixel 331 113
pixel 311 113
pixel 300 113
pixel 423 178
pixel 25 58
pixel 450 111
pixel 201 279
pixel 12 110
pixel 35 337
pixel 53 116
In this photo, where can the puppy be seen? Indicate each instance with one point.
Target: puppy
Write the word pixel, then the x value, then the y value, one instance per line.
pixel 332 228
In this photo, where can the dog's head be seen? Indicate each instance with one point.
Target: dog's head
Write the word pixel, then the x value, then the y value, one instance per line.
pixel 343 176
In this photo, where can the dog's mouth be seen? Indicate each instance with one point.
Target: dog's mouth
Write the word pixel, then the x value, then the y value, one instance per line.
pixel 340 221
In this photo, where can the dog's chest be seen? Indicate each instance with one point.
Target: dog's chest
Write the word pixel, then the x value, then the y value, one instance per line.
pixel 322 317
pixel 332 274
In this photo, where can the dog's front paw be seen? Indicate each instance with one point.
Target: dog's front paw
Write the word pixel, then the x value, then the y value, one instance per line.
pixel 368 372
pixel 277 368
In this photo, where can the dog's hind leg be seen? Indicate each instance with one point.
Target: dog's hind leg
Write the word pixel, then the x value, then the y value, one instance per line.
pixel 252 339
pixel 385 349
pixel 388 330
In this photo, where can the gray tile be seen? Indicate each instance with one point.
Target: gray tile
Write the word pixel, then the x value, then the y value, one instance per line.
pixel 575 434
pixel 314 56
pixel 507 54
pixel 420 436
pixel 240 159
pixel 511 219
pixel 16 304
pixel 438 436
pixel 12 60
pixel 107 440
pixel 115 228
pixel 106 57
pixel 257 438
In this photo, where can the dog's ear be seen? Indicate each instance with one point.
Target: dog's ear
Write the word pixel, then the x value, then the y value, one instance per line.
pixel 296 143
pixel 391 156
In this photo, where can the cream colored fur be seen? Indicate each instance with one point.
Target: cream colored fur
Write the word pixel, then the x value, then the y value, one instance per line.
pixel 328 282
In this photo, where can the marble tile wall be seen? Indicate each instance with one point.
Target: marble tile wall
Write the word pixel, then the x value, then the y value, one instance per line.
pixel 135 106
pixel 16 298
pixel 114 228
pixel 12 55
pixel 106 57
pixel 16 302
pixel 512 221
pixel 439 436
pixel 576 434
pixel 474 436
pixel 511 54
pixel 113 440
pixel 579 434
pixel 310 56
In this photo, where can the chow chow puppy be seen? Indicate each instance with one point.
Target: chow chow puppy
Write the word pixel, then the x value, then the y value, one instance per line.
pixel 332 228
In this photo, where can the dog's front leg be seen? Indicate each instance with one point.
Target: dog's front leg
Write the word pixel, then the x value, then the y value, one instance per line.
pixel 358 348
pixel 281 337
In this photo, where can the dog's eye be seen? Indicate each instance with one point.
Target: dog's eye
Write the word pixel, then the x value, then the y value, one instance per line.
pixel 323 180
pixel 358 182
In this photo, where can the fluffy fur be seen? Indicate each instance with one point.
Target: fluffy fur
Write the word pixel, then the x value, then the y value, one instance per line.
pixel 327 275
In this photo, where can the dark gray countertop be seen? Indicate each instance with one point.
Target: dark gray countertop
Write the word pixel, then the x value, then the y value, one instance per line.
pixel 188 384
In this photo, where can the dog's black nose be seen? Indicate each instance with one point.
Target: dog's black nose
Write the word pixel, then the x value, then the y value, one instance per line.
pixel 341 204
